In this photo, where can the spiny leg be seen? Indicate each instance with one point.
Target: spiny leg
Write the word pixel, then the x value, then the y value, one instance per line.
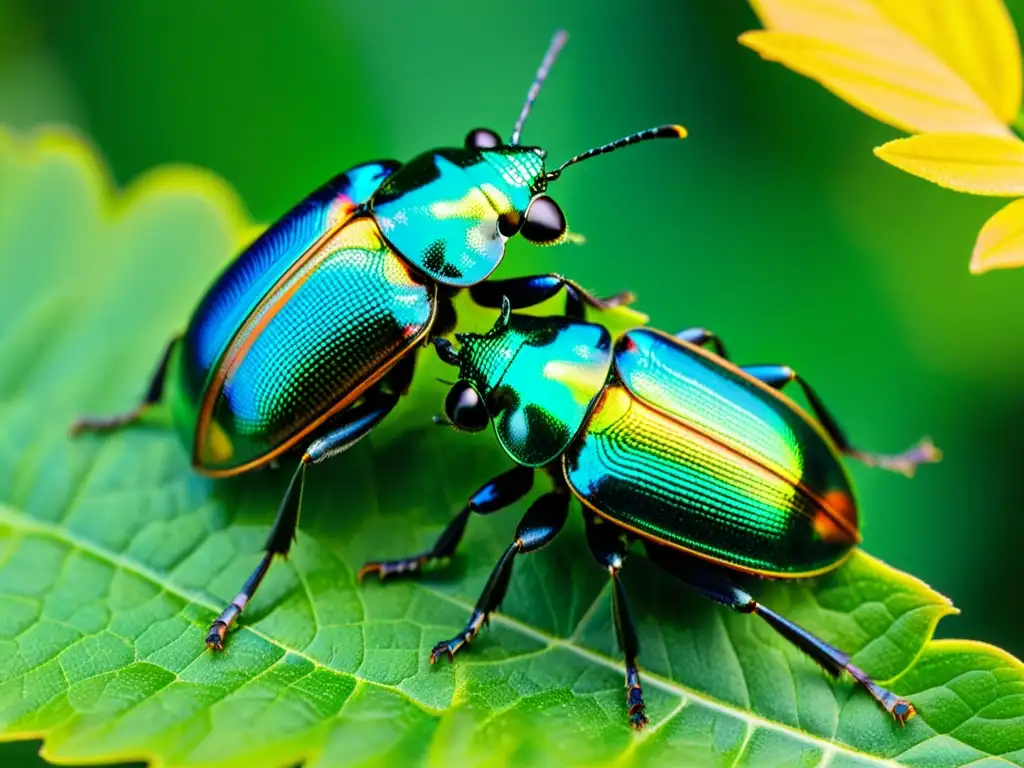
pixel 153 394
pixel 523 292
pixel 702 336
pixel 713 582
pixel 541 523
pixel 925 452
pixel 346 431
pixel 609 545
pixel 504 490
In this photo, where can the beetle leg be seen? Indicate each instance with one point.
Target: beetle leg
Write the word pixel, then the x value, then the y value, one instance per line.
pixel 609 546
pixel 925 452
pixel 702 336
pixel 504 490
pixel 352 425
pixel 523 292
pixel 714 583
pixel 153 394
pixel 541 523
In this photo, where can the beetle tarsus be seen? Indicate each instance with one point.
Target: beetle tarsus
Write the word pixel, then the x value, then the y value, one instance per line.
pixel 902 711
pixel 453 646
pixel 905 463
pixel 387 568
pixel 215 639
pixel 635 698
pixel 101 424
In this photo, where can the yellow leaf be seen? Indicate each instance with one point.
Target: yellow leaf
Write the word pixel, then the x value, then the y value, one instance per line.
pixel 981 165
pixel 1001 241
pixel 920 65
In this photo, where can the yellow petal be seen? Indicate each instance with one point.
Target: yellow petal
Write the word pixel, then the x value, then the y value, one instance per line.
pixel 1001 241
pixel 981 165
pixel 921 65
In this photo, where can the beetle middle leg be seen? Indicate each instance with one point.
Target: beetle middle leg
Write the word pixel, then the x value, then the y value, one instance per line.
pixel 503 491
pixel 777 376
pixel 351 426
pixel 609 545
pixel 715 583
pixel 701 337
pixel 541 523
pixel 523 292
pixel 154 392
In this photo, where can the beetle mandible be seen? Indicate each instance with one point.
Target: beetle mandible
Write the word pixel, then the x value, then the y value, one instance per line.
pixel 306 339
pixel 707 464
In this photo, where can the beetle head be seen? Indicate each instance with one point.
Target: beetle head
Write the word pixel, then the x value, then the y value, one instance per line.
pixel 534 377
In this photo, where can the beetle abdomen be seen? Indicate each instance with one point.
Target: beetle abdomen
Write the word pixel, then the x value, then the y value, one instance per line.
pixel 712 397
pixel 650 473
pixel 311 347
pixel 247 279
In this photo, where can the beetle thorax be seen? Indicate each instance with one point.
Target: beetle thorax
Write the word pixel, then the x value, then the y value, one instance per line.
pixel 441 211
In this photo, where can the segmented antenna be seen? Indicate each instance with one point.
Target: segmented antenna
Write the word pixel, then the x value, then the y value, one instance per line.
pixel 557 42
pixel 661 132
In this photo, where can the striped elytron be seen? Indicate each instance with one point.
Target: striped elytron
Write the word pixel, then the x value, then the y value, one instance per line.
pixel 707 464
pixel 306 340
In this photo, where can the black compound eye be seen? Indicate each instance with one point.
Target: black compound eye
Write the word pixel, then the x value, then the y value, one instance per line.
pixel 465 409
pixel 545 222
pixel 482 138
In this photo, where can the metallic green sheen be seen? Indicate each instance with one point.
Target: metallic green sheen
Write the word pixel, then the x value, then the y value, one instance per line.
pixel 669 482
pixel 745 416
pixel 245 282
pixel 538 377
pixel 335 326
pixel 441 210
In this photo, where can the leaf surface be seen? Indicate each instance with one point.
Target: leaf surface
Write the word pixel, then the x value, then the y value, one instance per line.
pixel 920 65
pixel 980 165
pixel 114 557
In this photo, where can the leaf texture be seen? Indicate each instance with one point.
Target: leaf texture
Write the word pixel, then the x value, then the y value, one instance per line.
pixel 919 65
pixel 114 557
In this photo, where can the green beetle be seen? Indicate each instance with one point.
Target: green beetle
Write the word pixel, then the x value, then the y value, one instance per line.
pixel 306 340
pixel 707 464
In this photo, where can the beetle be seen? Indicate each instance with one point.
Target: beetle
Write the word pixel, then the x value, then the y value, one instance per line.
pixel 707 464
pixel 305 341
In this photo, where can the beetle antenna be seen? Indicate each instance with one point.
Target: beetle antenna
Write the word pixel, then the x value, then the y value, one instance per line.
pixel 557 42
pixel 660 132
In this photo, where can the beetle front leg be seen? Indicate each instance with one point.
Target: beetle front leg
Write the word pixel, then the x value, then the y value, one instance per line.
pixel 541 523
pixel 608 545
pixel 153 394
pixel 714 583
pixel 503 491
pixel 354 424
pixel 523 292
pixel 925 452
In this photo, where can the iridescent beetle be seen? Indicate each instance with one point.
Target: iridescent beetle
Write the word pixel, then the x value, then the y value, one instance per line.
pixel 306 340
pixel 708 465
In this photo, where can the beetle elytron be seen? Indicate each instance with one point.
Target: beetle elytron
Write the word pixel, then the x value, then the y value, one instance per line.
pixel 306 340
pixel 707 464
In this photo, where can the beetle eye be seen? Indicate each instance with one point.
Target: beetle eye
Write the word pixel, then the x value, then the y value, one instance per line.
pixel 464 408
pixel 545 222
pixel 482 138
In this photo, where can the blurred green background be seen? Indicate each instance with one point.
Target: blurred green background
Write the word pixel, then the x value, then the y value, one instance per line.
pixel 772 224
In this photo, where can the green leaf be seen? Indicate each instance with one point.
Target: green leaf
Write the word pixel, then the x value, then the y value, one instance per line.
pixel 114 557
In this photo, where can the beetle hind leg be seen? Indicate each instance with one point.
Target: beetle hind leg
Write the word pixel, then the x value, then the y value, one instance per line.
pixel 153 395
pixel 608 545
pixel 713 582
pixel 541 523
pixel 906 463
pixel 346 431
